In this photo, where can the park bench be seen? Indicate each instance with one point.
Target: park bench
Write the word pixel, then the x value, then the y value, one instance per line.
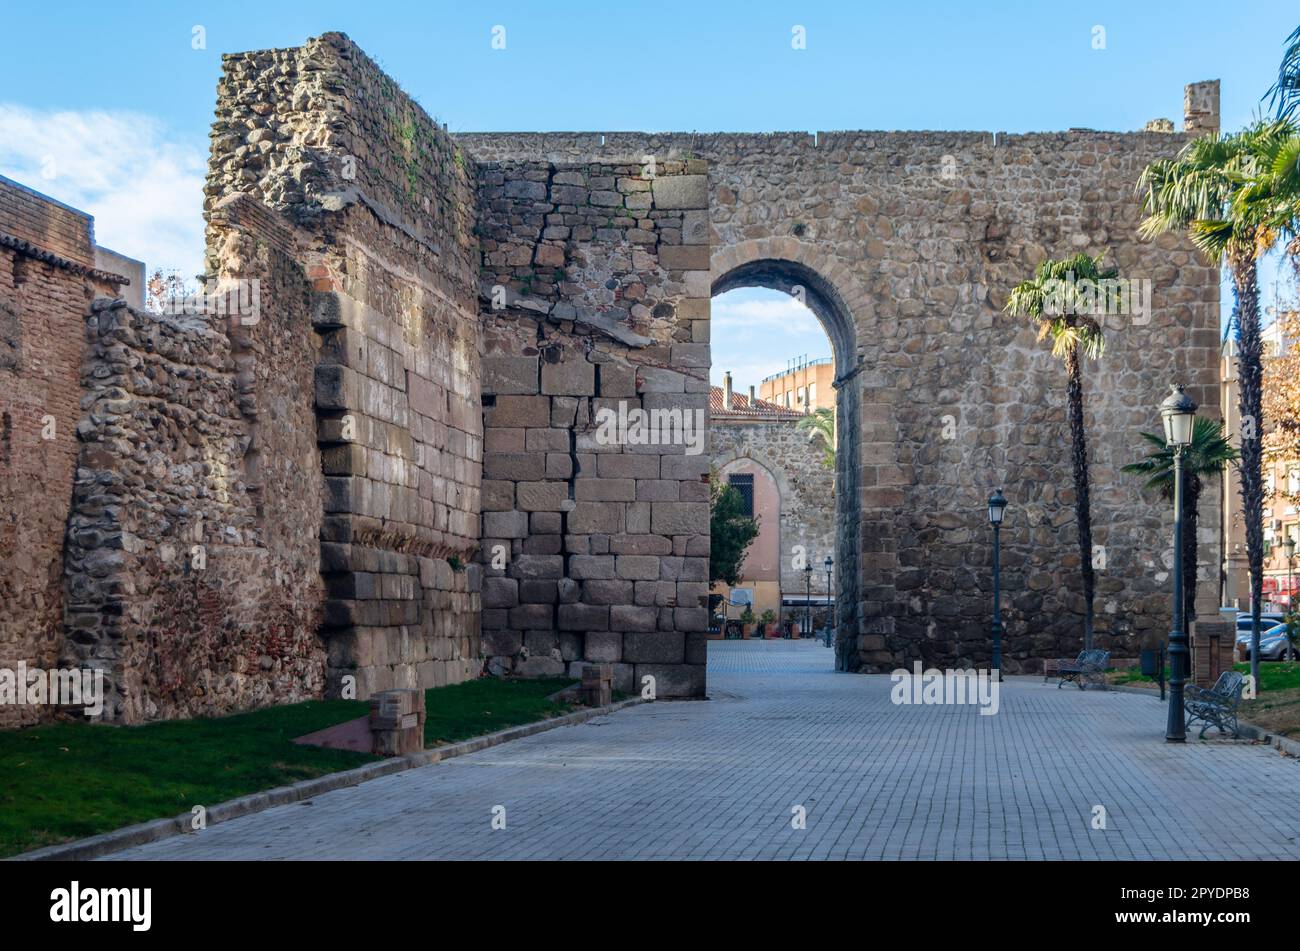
pixel 1216 706
pixel 1089 668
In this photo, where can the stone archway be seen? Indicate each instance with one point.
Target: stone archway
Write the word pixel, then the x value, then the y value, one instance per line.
pixel 790 266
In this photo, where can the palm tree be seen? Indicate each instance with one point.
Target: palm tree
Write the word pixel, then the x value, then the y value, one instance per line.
pixel 820 427
pixel 1209 455
pixel 1218 190
pixel 1286 91
pixel 1061 299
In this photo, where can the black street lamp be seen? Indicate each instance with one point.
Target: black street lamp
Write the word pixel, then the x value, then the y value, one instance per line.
pixel 997 505
pixel 830 626
pixel 807 599
pixel 1178 412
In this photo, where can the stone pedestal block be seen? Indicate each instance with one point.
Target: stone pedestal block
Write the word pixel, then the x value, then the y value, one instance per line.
pixel 397 722
pixel 597 685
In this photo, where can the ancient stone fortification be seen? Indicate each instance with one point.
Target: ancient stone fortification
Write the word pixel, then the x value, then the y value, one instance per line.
pixel 906 245
pixel 260 506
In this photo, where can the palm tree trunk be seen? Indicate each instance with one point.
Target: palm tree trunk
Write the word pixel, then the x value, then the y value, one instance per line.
pixel 1082 504
pixel 1191 514
pixel 1245 288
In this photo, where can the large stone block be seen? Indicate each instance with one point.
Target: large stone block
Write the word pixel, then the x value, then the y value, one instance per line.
pixel 510 375
pixel 603 646
pixel 511 524
pixel 673 192
pixel 542 496
pixel 646 645
pixel 583 617
pixel 520 411
pixel 573 377
pixel 672 680
pixel 591 517
pixel 678 518
pixel 638 567
pixel 603 591
pixel 591 567
pixel 500 592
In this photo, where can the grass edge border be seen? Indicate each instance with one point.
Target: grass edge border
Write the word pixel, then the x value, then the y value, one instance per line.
pixel 154 830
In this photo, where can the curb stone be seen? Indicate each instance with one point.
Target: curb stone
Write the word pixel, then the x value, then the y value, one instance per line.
pixel 143 833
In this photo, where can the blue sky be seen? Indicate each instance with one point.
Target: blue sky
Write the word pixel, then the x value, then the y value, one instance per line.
pixel 107 106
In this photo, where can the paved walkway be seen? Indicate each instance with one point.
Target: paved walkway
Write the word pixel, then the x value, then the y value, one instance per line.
pixel 719 779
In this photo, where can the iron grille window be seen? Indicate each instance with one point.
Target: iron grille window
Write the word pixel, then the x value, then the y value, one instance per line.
pixel 744 484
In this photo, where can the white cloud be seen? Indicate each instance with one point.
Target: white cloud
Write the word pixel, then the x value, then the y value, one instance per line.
pixel 743 311
pixel 143 185
pixel 756 332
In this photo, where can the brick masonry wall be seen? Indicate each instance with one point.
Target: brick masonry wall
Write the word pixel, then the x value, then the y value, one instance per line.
pixel 384 205
pixel 806 487
pixel 919 237
pixel 46 223
pixel 45 288
pixel 595 548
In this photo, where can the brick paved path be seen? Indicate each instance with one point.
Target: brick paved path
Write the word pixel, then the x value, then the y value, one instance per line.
pixel 719 778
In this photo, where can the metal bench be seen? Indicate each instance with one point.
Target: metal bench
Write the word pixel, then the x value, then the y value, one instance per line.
pixel 1088 669
pixel 1216 706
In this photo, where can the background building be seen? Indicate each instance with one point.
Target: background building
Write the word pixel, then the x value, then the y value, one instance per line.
pixel 805 386
pixel 760 451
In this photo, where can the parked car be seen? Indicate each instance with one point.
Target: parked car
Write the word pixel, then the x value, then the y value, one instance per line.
pixel 1272 647
pixel 1266 621
pixel 1266 631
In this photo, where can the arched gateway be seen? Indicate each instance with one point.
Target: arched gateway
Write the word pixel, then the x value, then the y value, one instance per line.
pixel 752 264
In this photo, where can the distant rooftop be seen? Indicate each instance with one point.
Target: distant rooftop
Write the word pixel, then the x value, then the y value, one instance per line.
pixel 740 407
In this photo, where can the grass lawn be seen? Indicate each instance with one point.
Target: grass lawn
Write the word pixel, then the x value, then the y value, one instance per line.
pixel 71 780
pixel 1276 707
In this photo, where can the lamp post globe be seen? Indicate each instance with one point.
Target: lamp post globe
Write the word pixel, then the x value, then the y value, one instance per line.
pixel 1178 413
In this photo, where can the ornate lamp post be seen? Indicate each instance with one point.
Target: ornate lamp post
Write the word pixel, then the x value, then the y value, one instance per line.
pixel 997 505
pixel 830 623
pixel 807 599
pixel 1178 412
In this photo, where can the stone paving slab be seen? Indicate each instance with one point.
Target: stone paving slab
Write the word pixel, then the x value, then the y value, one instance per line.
pixel 718 779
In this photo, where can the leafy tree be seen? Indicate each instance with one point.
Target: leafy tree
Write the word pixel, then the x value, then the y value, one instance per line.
pixel 731 532
pixel 820 427
pixel 1061 299
pixel 1209 455
pixel 1222 190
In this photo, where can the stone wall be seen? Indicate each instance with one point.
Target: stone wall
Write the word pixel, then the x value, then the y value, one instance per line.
pixel 47 279
pixel 907 245
pixel 806 487
pixel 595 546
pixel 384 206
